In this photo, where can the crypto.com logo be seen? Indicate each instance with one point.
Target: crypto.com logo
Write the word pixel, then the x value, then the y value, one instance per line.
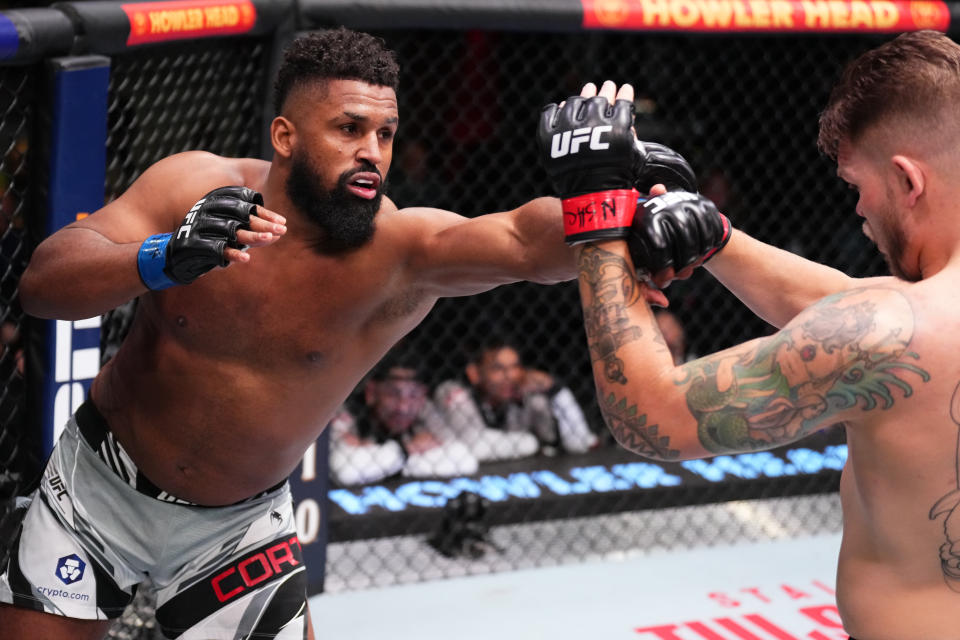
pixel 70 569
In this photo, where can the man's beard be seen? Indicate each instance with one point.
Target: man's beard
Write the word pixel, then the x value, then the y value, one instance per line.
pixel 888 228
pixel 894 256
pixel 346 221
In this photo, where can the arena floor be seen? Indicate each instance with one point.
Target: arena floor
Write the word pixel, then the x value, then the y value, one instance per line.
pixel 777 587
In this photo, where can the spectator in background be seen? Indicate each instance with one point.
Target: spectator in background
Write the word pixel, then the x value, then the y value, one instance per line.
pixel 394 435
pixel 509 411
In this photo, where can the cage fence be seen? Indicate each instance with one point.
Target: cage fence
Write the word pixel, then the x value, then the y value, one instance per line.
pixel 19 454
pixel 742 109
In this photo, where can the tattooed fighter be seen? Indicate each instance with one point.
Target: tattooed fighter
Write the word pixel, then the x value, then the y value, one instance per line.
pixel 878 354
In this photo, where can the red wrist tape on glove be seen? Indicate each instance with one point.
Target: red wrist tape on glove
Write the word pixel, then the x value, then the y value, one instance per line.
pixel 599 216
pixel 727 230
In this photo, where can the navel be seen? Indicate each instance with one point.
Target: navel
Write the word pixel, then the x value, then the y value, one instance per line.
pixel 181 321
pixel 314 356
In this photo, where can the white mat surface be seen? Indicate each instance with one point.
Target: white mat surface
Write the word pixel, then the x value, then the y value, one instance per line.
pixel 777 590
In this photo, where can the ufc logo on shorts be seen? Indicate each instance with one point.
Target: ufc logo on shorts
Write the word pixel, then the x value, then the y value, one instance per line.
pixel 184 229
pixel 569 141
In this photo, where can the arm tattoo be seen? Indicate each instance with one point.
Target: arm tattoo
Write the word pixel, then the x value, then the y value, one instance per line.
pixel 949 554
pixel 613 288
pixel 633 432
pixel 792 383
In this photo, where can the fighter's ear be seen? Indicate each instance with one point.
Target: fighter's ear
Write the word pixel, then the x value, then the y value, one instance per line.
pixel 473 374
pixel 283 136
pixel 911 180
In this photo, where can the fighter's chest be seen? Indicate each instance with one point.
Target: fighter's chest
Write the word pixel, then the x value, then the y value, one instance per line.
pixel 283 316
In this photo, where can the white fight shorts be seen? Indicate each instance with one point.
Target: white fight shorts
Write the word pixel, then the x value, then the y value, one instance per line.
pixel 96 528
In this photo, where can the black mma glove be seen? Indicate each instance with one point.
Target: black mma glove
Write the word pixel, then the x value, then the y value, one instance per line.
pixel 588 150
pixel 197 245
pixel 676 229
pixel 658 164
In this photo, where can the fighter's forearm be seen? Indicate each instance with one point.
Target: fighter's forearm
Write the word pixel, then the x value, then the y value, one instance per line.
pixel 634 372
pixel 757 395
pixel 78 273
pixel 539 230
pixel 775 284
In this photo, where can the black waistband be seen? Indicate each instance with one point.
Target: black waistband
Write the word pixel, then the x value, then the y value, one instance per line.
pixel 96 432
pixel 93 426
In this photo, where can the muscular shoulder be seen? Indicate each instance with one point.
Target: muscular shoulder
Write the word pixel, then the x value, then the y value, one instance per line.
pixel 871 317
pixel 414 224
pixel 412 230
pixel 161 196
pixel 840 360
pixel 191 174
pixel 855 346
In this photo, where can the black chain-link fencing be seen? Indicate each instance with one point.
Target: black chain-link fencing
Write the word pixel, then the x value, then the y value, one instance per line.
pixel 511 484
pixel 19 445
pixel 530 438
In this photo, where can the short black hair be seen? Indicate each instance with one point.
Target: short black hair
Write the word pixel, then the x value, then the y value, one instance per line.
pixel 490 344
pixel 401 356
pixel 335 54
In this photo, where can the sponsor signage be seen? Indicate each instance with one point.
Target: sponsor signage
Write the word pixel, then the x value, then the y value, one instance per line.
pixel 783 610
pixel 76 348
pixel 180 19
pixel 888 16
pixel 586 480
pixel 309 486
pixel 70 569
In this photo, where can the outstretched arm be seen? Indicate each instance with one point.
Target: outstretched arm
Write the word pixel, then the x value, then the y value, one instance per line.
pixel 774 283
pixel 527 243
pixel 458 256
pixel 847 354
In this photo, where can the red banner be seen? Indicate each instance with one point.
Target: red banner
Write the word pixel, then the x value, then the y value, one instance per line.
pixel 891 16
pixel 181 19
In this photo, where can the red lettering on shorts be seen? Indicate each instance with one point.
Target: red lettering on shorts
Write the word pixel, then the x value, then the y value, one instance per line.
pixel 262 561
pixel 279 554
pixel 215 583
pixel 257 567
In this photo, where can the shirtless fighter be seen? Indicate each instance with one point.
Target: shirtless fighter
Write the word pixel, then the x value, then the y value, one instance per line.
pixel 176 466
pixel 878 354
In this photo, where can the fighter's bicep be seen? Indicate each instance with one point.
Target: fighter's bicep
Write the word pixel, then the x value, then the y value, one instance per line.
pixel 846 355
pixel 158 199
pixel 460 256
pixel 122 222
pixel 853 350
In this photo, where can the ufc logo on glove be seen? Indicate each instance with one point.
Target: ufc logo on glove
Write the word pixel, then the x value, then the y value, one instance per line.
pixel 184 230
pixel 569 142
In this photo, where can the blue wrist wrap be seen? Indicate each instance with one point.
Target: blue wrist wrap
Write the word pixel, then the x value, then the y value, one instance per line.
pixel 151 259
